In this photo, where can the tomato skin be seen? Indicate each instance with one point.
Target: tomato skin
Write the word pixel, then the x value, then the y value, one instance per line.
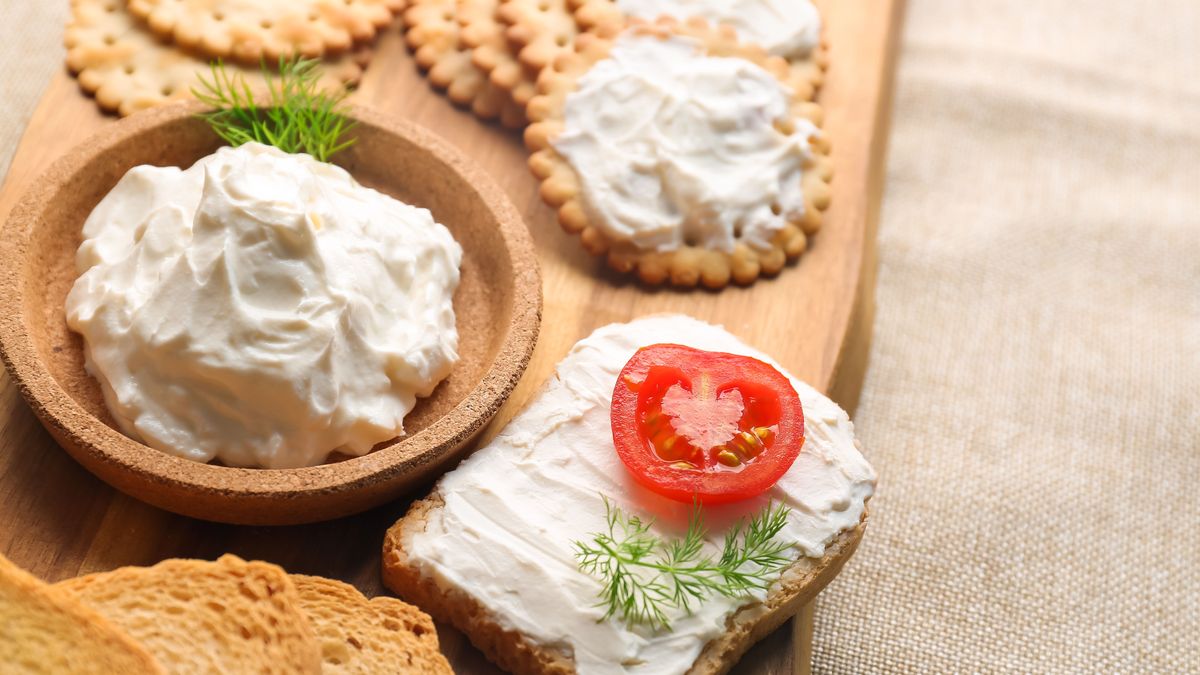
pixel 767 396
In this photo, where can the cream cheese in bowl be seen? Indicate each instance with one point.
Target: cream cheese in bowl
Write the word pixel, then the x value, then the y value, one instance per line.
pixel 262 308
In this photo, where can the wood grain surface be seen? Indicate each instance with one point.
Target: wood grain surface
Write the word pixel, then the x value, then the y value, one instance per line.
pixel 59 521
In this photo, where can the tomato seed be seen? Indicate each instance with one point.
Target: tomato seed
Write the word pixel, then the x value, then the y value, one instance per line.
pixel 728 458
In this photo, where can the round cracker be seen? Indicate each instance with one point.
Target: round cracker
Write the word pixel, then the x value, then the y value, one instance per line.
pixel 807 71
pixel 252 30
pixel 484 33
pixel 542 29
pixel 688 265
pixel 128 69
pixel 433 33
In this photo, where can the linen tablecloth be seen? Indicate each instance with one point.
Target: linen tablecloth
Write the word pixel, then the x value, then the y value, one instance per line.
pixel 1033 400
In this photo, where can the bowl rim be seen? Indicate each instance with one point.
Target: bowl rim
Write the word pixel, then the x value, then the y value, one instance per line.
pixel 56 408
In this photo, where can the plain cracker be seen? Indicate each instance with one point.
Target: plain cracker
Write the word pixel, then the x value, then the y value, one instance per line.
pixel 686 266
pixel 250 30
pixel 127 69
pixel 484 33
pixel 543 29
pixel 433 33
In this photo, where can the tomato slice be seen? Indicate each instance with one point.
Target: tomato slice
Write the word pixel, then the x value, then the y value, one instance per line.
pixel 691 424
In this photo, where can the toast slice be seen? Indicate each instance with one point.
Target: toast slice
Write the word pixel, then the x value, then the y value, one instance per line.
pixel 493 549
pixel 357 635
pixel 207 617
pixel 46 630
pixel 514 652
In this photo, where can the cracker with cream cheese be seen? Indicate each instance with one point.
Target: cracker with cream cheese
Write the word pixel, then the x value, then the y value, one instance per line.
pixel 807 63
pixel 742 254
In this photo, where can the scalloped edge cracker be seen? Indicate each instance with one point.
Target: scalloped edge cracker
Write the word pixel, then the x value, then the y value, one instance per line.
pixel 483 33
pixel 434 36
pixel 249 31
pixel 686 266
pixel 542 29
pixel 128 69
pixel 807 73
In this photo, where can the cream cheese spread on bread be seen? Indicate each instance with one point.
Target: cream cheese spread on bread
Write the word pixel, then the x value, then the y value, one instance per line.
pixel 512 510
pixel 675 148
pixel 262 308
pixel 787 28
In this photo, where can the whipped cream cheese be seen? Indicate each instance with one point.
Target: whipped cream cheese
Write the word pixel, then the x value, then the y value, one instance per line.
pixel 787 28
pixel 262 308
pixel 513 509
pixel 676 147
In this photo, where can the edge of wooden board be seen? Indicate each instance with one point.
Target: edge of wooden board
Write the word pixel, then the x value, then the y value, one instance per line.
pixel 849 373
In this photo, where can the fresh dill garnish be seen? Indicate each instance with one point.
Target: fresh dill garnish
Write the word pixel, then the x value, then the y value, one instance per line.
pixel 297 115
pixel 644 576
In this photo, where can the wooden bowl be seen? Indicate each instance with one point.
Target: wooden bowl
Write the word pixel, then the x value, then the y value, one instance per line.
pixel 498 309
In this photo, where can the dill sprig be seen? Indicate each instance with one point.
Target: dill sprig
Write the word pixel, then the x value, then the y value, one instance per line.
pixel 297 117
pixel 644 576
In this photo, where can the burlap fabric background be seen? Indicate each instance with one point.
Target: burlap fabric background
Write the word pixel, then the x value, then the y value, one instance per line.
pixel 1033 403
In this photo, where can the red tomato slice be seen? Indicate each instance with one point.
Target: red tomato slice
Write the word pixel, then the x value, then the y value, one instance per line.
pixel 706 425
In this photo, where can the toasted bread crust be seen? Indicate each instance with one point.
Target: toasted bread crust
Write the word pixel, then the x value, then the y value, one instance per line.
pixel 46 630
pixel 227 612
pixel 516 653
pixel 801 583
pixel 360 635
pixel 511 650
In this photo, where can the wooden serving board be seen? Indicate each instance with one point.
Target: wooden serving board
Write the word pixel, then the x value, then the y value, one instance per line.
pixel 58 521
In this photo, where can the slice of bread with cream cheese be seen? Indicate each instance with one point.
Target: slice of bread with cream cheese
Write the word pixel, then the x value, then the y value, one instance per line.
pixel 492 548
